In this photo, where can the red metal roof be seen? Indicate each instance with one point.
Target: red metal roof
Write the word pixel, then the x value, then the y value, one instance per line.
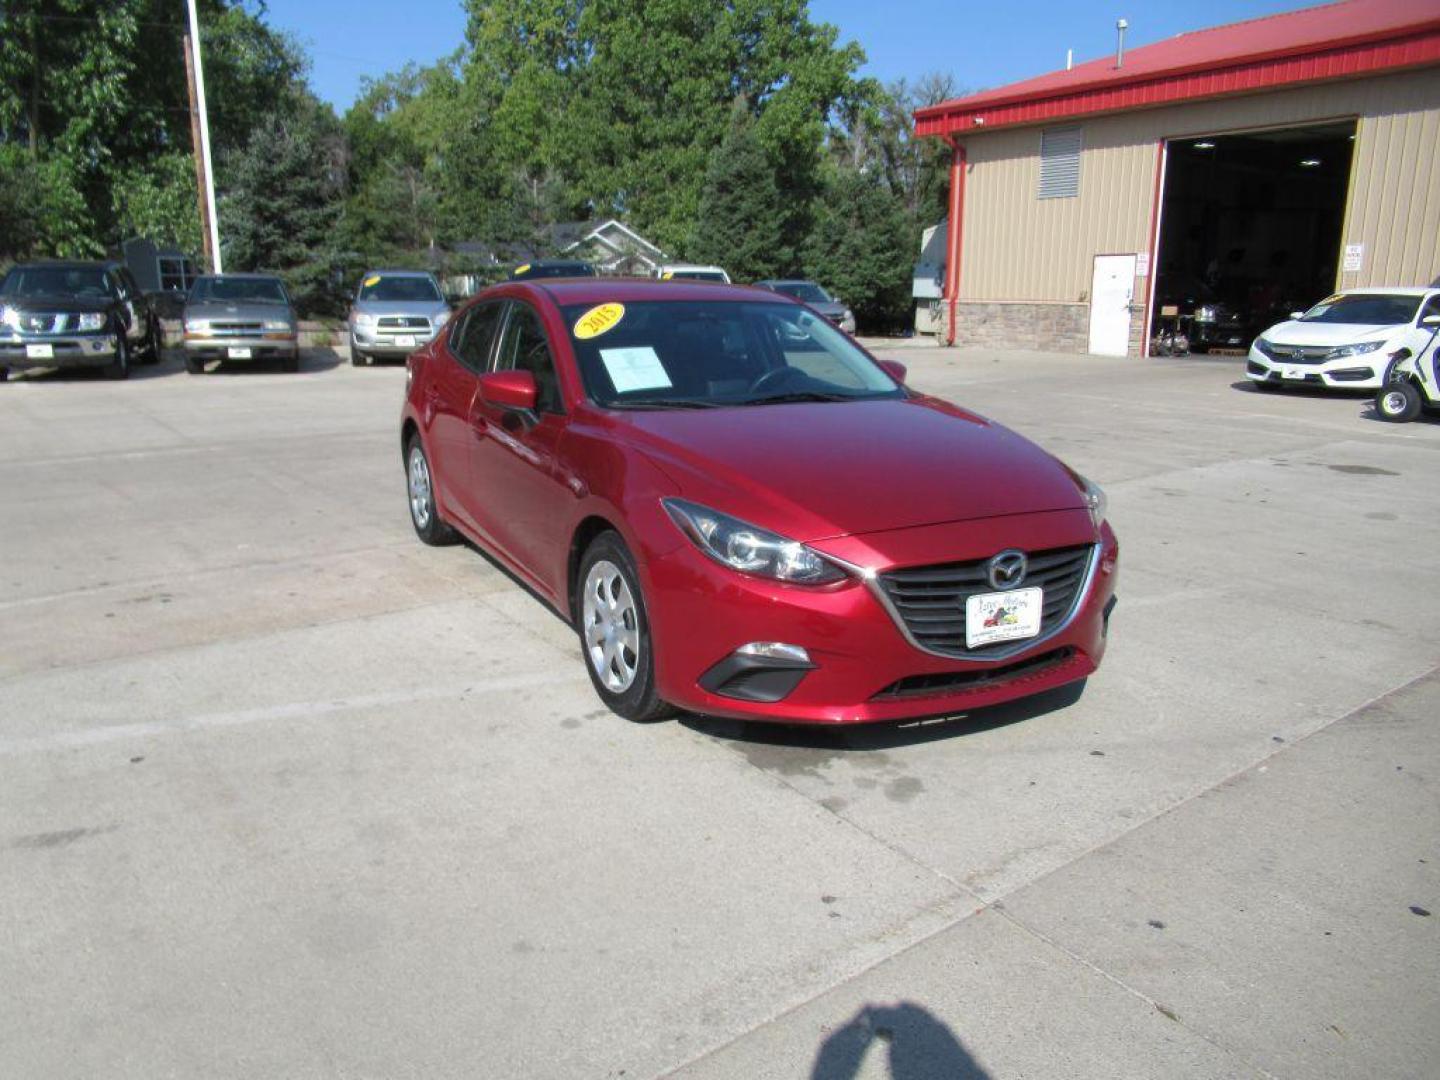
pixel 1354 37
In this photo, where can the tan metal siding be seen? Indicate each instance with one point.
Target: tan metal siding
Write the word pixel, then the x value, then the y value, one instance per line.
pixel 1019 247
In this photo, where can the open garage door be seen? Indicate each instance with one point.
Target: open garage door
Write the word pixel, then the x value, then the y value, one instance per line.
pixel 1250 230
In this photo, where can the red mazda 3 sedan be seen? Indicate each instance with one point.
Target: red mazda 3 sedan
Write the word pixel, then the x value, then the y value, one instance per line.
pixel 744 514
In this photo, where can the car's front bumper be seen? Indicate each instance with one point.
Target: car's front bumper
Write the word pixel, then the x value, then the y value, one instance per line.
pixel 1363 372
pixel 375 342
pixel 251 347
pixel 19 352
pixel 862 666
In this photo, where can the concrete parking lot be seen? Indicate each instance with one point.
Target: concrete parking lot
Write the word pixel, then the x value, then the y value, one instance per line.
pixel 285 793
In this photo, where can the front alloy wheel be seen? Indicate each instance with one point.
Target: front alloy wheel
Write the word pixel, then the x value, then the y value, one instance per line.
pixel 615 632
pixel 1399 402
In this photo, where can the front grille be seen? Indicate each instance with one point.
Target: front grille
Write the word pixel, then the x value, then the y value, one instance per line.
pixel 404 322
pixel 950 682
pixel 236 327
pixel 1297 354
pixel 931 599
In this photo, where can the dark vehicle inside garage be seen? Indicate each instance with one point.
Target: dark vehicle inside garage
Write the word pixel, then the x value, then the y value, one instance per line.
pixel 1250 230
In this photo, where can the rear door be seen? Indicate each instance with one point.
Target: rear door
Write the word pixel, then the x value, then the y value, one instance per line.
pixel 513 457
pixel 450 389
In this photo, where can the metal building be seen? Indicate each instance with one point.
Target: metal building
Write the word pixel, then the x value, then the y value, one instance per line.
pixel 1222 176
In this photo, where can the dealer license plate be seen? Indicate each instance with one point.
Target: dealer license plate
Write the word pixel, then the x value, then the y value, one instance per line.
pixel 40 352
pixel 1292 373
pixel 238 353
pixel 405 341
pixel 1002 616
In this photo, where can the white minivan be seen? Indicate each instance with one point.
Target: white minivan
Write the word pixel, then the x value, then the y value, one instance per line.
pixel 691 272
pixel 1350 339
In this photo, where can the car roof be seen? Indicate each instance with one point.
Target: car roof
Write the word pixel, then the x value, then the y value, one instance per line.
pixel 787 281
pixel 398 273
pixel 67 264
pixel 635 290
pixel 243 277
pixel 1379 290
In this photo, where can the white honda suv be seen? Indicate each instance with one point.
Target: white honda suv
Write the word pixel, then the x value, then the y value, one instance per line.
pixel 1350 339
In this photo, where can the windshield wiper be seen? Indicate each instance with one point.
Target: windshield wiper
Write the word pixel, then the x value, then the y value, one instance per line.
pixel 801 395
pixel 667 403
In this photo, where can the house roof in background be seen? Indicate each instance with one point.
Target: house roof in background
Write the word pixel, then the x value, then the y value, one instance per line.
pixel 1351 38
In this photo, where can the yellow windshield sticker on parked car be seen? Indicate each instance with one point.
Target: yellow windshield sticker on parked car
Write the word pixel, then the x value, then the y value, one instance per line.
pixel 667 275
pixel 598 320
pixel 373 279
pixel 522 268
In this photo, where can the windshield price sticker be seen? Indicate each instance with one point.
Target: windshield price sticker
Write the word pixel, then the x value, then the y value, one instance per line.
pixel 636 368
pixel 598 320
pixel 374 279
pixel 522 268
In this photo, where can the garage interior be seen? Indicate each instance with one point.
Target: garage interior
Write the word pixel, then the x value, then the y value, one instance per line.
pixel 1250 230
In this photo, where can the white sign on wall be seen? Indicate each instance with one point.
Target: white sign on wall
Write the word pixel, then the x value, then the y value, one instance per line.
pixel 1354 257
pixel 1142 264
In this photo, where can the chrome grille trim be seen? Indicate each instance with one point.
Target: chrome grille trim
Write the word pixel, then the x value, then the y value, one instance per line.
pixel 990 654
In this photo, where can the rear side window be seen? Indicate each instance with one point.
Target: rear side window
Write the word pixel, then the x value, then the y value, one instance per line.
pixel 526 348
pixel 475 333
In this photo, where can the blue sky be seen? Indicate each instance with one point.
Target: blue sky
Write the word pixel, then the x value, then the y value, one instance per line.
pixel 980 44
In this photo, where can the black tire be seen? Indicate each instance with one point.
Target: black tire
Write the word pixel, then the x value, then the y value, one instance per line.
pixel 1399 402
pixel 119 368
pixel 4 374
pixel 154 350
pixel 357 359
pixel 423 514
pixel 194 365
pixel 637 701
pixel 290 364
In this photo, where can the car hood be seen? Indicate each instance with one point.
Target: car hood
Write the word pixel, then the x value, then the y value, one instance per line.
pixel 428 308
pixel 830 308
pixel 57 302
pixel 813 471
pixel 1295 332
pixel 243 312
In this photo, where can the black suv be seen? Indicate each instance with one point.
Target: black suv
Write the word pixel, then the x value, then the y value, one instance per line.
pixel 75 314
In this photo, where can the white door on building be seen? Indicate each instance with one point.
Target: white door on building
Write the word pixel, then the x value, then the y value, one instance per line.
pixel 1111 291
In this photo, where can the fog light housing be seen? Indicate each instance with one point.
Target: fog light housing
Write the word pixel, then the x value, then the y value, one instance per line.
pixel 775 650
pixel 1352 374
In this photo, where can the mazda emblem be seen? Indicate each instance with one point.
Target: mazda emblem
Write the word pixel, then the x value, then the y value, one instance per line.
pixel 1007 570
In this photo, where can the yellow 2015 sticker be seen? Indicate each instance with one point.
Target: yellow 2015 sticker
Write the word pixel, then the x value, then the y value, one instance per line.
pixel 373 279
pixel 667 275
pixel 598 320
pixel 521 269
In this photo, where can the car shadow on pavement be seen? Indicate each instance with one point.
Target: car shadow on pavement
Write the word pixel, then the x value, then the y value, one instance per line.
pixel 1246 386
pixel 918 1045
pixel 885 735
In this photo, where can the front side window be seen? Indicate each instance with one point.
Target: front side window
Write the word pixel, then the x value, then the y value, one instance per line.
pixel 1366 309
pixel 524 347
pixel 697 354
pixel 394 287
pixel 473 335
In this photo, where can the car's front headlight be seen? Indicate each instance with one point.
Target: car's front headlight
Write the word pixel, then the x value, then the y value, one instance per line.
pixel 10 317
pixel 197 326
pixel 90 320
pixel 441 319
pixel 1094 496
pixel 1358 349
pixel 365 319
pixel 751 550
pixel 279 325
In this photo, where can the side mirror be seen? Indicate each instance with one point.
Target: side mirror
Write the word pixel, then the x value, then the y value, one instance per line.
pixel 895 369
pixel 1296 314
pixel 1430 320
pixel 510 389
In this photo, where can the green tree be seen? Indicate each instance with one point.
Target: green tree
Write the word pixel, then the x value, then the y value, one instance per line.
pixel 863 247
pixel 281 205
pixel 741 221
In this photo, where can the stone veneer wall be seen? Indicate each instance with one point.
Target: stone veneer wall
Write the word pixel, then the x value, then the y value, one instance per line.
pixel 1051 327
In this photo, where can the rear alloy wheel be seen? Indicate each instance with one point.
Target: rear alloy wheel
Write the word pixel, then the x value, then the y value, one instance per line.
pixel 119 368
pixel 421 489
pixel 1399 402
pixel 615 632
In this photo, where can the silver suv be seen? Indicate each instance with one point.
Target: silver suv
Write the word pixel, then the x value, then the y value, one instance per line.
pixel 394 313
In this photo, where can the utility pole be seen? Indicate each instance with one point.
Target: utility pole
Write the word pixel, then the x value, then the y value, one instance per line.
pixel 200 136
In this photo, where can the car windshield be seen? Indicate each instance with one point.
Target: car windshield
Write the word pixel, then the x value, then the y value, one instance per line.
pixel 56 281
pixel 1368 309
pixel 239 290
pixel 402 288
pixel 807 292
pixel 707 354
pixel 696 275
